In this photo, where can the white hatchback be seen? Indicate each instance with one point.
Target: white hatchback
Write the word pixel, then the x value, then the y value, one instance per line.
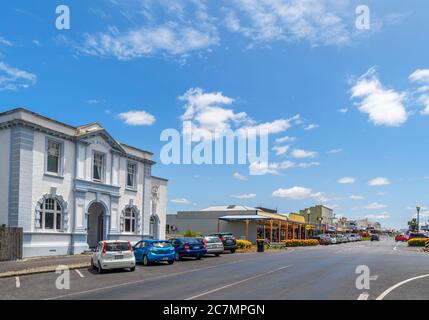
pixel 114 254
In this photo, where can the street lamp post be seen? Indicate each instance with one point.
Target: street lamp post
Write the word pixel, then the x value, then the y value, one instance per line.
pixel 418 217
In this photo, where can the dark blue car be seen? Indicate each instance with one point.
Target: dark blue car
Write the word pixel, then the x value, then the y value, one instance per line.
pixel 150 251
pixel 188 247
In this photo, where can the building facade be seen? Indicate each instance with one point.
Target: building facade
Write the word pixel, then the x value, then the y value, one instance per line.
pixel 318 214
pixel 70 187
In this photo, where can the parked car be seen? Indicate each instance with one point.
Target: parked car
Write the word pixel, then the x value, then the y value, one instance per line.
pixel 333 238
pixel 114 254
pixel 375 237
pixel 188 247
pixel 341 238
pixel 414 235
pixel 150 251
pixel 359 237
pixel 352 237
pixel 323 239
pixel 228 240
pixel 402 238
pixel 214 245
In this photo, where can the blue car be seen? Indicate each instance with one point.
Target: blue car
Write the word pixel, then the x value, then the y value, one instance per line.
pixel 150 251
pixel 188 247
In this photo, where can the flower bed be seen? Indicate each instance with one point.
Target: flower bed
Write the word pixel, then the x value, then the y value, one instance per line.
pixel 300 243
pixel 244 244
pixel 418 242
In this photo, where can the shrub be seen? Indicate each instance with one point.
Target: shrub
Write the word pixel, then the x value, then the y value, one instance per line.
pixel 366 238
pixel 417 242
pixel 300 243
pixel 244 244
pixel 192 234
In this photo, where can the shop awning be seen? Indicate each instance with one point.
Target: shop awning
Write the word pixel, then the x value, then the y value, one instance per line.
pixel 244 218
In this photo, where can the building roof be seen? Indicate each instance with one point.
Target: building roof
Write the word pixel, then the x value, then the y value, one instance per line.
pixel 230 208
pixel 253 217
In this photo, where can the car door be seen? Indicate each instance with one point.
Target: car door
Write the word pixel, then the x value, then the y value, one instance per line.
pixel 176 245
pixel 138 251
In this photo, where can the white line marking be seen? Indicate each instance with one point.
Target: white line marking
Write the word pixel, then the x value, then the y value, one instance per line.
pixel 236 283
pixel 18 283
pixel 385 293
pixel 79 273
pixel 363 296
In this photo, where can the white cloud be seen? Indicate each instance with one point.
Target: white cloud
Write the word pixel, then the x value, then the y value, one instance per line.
pixel 137 118
pixel 380 181
pixel 280 150
pixel 244 196
pixel 334 151
pixel 300 153
pixel 5 42
pixel 383 106
pixel 347 180
pixel 210 116
pixel 311 127
pixel 285 139
pixel 13 79
pixel 308 164
pixel 181 201
pixel 294 193
pixel 239 176
pixel 301 193
pixel 270 168
pixel 384 215
pixel 356 197
pixel 343 110
pixel 422 76
pixel 315 21
pixel 375 206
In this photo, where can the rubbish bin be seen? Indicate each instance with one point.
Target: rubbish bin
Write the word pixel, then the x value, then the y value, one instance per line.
pixel 260 245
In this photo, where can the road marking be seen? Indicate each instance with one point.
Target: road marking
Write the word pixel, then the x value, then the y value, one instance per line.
pixel 149 279
pixel 363 296
pixel 236 283
pixel 385 293
pixel 79 273
pixel 17 282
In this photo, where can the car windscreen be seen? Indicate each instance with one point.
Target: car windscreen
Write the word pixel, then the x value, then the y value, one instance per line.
pixel 118 246
pixel 212 239
pixel 191 240
pixel 227 236
pixel 161 244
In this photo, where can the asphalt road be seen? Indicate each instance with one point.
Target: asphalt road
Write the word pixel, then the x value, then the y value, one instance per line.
pixel 323 272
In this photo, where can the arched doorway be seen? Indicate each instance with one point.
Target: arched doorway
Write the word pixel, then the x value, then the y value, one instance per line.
pixel 153 227
pixel 96 224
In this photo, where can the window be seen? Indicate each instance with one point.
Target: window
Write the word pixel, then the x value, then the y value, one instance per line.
pixel 98 169
pixel 167 229
pixel 54 157
pixel 131 175
pixel 51 215
pixel 130 220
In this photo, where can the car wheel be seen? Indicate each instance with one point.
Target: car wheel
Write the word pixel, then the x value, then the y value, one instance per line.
pixel 133 269
pixel 217 254
pixel 199 257
pixel 233 251
pixel 99 268
pixel 145 261
pixel 92 265
pixel 170 261
pixel 177 256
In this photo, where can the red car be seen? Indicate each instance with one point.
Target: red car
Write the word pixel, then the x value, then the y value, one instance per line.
pixel 402 237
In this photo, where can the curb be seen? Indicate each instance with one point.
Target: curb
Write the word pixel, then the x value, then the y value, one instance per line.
pixel 47 269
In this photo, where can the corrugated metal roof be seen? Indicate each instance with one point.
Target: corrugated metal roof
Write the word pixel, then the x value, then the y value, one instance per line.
pixel 229 208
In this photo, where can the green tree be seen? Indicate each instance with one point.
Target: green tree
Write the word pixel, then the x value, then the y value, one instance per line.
pixel 412 225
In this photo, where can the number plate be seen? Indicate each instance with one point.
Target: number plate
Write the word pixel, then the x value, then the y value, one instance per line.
pixel 118 257
pixel 165 258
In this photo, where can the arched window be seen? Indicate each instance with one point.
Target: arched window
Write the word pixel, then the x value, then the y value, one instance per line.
pixel 130 220
pixel 51 214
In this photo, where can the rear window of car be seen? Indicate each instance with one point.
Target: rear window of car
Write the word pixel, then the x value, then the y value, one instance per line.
pixel 118 246
pixel 227 236
pixel 191 240
pixel 161 244
pixel 212 239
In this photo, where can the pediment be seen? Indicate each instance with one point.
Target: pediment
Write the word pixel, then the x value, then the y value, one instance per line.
pixel 101 137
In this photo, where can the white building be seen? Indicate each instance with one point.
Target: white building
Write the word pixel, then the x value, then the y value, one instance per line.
pixel 70 187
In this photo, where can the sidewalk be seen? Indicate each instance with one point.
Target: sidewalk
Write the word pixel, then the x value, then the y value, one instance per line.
pixel 42 265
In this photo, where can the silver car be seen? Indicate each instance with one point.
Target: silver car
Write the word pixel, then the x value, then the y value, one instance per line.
pixel 214 245
pixel 113 254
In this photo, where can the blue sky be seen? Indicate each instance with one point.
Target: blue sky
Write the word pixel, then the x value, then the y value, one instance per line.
pixel 361 95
